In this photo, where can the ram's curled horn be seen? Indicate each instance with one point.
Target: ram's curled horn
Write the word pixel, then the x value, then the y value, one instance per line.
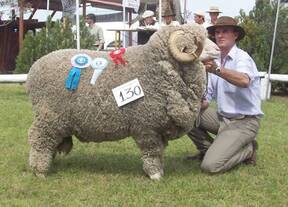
pixel 183 55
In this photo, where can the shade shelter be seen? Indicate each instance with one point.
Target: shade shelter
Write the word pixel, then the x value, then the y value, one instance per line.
pixel 12 31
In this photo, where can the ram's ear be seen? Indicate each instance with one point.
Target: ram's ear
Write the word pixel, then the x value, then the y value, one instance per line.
pixel 210 51
pixel 184 54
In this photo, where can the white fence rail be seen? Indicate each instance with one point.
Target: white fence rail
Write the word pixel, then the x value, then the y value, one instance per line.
pixel 267 83
pixel 15 78
pixel 21 78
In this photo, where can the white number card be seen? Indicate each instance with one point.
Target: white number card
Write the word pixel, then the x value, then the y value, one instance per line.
pixel 128 92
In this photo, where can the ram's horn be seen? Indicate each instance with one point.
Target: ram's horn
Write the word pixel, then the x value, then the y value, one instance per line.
pixel 183 55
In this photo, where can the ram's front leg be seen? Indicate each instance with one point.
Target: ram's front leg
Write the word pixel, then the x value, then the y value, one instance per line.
pixel 152 147
pixel 180 111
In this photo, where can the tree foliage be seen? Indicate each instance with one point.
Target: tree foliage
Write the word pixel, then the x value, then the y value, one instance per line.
pixel 55 36
pixel 259 26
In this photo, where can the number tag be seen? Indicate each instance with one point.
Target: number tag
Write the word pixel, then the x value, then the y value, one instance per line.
pixel 128 92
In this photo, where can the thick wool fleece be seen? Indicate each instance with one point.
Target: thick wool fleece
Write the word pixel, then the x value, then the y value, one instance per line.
pixel 171 103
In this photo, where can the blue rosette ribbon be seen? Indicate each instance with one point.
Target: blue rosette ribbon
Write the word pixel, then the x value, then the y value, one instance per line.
pixel 78 62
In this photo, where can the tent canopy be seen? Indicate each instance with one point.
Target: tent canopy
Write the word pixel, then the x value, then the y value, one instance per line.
pixel 56 5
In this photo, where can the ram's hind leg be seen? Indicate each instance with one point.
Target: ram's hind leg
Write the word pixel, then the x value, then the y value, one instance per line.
pixel 45 137
pixel 152 147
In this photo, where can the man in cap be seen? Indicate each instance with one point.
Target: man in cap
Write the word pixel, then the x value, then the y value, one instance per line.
pixel 213 13
pixel 147 26
pixel 199 18
pixel 234 83
pixel 148 19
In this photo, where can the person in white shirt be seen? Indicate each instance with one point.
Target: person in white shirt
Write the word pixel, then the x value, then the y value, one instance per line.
pixel 234 83
pixel 145 27
pixel 213 13
pixel 95 30
pixel 199 18
pixel 147 21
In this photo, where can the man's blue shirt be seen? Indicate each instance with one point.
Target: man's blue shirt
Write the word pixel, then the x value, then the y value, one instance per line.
pixel 233 101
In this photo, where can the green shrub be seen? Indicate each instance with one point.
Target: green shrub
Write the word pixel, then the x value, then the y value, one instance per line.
pixel 55 36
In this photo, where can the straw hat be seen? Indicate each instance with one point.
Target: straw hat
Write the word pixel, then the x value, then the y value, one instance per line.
pixel 147 13
pixel 214 9
pixel 227 21
pixel 199 13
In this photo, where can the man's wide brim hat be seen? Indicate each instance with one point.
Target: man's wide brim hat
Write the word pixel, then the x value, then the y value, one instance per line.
pixel 225 21
pixel 167 14
pixel 213 9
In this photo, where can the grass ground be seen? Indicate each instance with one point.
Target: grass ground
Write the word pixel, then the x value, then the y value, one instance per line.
pixel 110 174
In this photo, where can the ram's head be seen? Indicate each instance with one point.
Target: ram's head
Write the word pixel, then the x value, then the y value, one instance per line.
pixel 190 43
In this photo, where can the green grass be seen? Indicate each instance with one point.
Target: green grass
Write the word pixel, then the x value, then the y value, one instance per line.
pixel 110 174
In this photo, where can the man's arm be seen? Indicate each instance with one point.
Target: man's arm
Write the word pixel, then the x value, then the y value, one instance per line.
pixel 101 39
pixel 234 77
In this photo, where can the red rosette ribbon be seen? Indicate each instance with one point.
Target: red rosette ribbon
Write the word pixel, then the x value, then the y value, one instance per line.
pixel 116 56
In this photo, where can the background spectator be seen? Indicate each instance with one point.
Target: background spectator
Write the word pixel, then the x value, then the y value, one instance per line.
pixel 95 30
pixel 199 18
pixel 168 19
pixel 213 13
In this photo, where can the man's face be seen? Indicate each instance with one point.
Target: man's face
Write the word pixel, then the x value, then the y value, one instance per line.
pixel 89 21
pixel 225 37
pixel 148 20
pixel 214 16
pixel 168 19
pixel 198 19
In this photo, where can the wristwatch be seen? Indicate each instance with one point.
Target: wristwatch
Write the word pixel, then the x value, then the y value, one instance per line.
pixel 218 70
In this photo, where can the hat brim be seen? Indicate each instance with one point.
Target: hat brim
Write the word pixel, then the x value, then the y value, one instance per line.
pixel 169 15
pixel 144 17
pixel 200 15
pixel 240 30
pixel 214 12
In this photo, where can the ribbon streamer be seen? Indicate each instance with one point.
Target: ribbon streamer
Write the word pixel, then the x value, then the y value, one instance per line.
pixel 98 64
pixel 95 75
pixel 73 78
pixel 78 61
pixel 116 56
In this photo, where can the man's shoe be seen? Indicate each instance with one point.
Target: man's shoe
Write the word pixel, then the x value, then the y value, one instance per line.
pixel 199 156
pixel 252 159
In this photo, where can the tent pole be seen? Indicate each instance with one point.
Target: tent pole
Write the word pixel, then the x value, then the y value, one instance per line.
pixel 124 21
pixel 185 10
pixel 77 25
pixel 272 52
pixel 21 24
pixel 160 12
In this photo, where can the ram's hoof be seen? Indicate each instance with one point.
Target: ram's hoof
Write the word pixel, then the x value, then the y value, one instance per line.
pixel 156 176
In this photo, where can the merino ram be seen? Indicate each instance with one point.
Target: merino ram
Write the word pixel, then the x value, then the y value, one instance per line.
pixel 172 79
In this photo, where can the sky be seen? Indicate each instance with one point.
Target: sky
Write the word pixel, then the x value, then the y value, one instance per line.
pixel 228 7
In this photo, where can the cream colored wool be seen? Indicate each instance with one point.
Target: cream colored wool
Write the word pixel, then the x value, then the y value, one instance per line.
pixel 167 111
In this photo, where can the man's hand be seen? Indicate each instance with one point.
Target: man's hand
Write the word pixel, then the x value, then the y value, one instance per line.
pixel 232 76
pixel 204 104
pixel 210 66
